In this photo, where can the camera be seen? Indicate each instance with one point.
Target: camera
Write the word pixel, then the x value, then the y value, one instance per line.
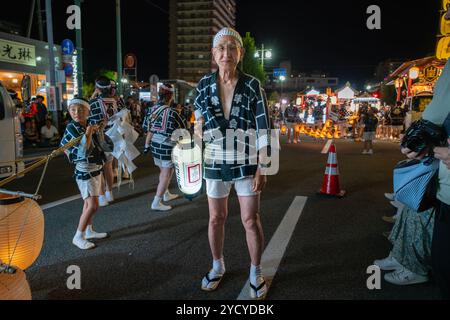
pixel 424 135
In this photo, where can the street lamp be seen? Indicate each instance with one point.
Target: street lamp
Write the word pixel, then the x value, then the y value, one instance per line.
pixel 282 79
pixel 263 54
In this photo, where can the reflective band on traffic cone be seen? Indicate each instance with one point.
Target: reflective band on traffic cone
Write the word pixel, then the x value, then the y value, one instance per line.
pixel 331 185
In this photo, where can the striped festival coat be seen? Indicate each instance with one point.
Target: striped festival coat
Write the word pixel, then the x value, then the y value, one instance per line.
pixel 103 108
pixel 166 120
pixel 88 161
pixel 248 114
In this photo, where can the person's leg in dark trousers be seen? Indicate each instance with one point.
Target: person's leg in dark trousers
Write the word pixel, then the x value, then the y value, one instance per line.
pixel 440 250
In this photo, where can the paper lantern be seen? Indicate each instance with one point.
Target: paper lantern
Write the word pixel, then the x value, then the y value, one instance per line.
pixel 21 231
pixel 414 73
pixel 443 48
pixel 187 158
pixel 14 286
pixel 284 130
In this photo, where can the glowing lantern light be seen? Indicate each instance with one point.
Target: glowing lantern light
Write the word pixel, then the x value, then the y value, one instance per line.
pixel 442 51
pixel 14 286
pixel 187 158
pixel 284 130
pixel 414 73
pixel 21 231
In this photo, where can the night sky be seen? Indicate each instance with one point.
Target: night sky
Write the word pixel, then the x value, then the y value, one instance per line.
pixel 327 36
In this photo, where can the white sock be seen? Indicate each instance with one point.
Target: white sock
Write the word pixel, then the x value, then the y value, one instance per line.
pixel 79 235
pixel 219 266
pixel 156 201
pixel 255 272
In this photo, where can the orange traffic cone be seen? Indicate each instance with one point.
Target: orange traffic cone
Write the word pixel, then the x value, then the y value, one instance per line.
pixel 331 185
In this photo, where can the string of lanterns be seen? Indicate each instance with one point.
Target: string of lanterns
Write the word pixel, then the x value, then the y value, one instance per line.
pixel 328 130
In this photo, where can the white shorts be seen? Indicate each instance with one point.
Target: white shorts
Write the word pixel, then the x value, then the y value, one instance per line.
pixel 220 189
pixel 90 188
pixel 163 163
pixel 369 136
pixel 290 125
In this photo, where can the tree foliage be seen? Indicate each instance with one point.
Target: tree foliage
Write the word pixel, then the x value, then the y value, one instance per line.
pixel 274 97
pixel 88 90
pixel 251 65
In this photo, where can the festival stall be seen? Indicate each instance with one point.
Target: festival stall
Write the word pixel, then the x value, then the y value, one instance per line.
pixel 415 81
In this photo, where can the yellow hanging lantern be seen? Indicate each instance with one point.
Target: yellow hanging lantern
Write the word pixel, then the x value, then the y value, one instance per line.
pixel 14 286
pixel 284 130
pixel 21 231
pixel 187 158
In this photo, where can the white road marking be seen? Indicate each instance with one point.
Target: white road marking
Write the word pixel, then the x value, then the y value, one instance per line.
pixel 327 146
pixel 278 244
pixel 72 198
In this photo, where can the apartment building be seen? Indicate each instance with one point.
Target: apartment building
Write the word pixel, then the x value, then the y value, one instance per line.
pixel 193 24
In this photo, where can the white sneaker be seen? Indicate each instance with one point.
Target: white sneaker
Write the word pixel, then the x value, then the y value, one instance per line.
pixel 91 234
pixel 404 277
pixel 397 204
pixel 370 152
pixel 102 202
pixel 161 207
pixel 109 196
pixel 389 219
pixel 83 244
pixel 388 264
pixel 390 196
pixel 364 152
pixel 170 197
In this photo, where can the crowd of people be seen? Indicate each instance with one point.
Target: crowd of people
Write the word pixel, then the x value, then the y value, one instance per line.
pixel 365 124
pixel 36 123
pixel 38 128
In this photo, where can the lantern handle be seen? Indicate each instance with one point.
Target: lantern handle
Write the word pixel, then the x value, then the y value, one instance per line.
pixel 7 269
pixel 21 194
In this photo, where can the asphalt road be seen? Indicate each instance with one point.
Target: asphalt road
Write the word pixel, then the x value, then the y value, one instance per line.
pixel 163 256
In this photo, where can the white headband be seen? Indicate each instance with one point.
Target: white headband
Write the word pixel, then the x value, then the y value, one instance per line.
pixel 80 102
pixel 103 87
pixel 227 32
pixel 166 88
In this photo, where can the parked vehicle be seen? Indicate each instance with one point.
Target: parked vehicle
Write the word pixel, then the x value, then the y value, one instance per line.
pixel 11 140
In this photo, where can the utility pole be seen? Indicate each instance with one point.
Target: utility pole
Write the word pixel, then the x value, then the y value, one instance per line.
pixel 51 55
pixel 79 45
pixel 40 24
pixel 30 21
pixel 264 54
pixel 119 48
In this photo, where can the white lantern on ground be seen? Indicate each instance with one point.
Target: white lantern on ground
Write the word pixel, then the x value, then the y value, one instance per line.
pixel 21 231
pixel 187 158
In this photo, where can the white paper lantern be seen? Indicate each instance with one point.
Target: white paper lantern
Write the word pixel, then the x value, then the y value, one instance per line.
pixel 14 286
pixel 21 231
pixel 187 158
